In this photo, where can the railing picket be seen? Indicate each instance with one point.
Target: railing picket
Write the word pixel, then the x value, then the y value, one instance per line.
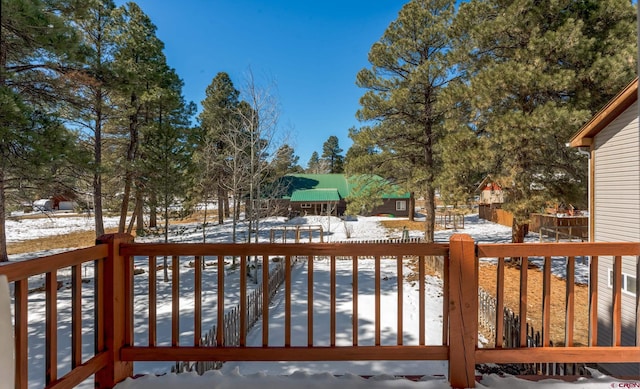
pixel 175 300
pixel 593 301
pixel 354 317
pixel 152 300
pixel 524 272
pixel 287 301
pixel 332 329
pixel 422 302
pixel 51 327
pixel 76 316
pixel 244 308
pixel 546 302
pixel 400 281
pixel 310 301
pixel 377 302
pixel 197 315
pixel 617 301
pixel 128 297
pixel 500 304
pixel 21 324
pixel 265 300
pixel 570 301
pixel 220 302
pixel 445 300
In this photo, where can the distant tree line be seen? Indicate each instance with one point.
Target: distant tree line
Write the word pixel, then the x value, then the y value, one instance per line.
pixel 90 108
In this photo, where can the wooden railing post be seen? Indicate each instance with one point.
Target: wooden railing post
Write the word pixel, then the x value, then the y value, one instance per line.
pixel 463 311
pixel 112 320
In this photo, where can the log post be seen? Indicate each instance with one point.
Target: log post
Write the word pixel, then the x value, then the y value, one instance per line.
pixel 463 311
pixel 112 336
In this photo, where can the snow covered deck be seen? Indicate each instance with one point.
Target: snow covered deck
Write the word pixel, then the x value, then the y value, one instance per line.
pixel 338 302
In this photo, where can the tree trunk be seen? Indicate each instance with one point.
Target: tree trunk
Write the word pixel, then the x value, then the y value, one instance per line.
pixel 131 156
pixel 430 217
pixel 153 212
pixel 412 207
pixel 221 204
pixel 518 231
pixel 97 175
pixel 4 257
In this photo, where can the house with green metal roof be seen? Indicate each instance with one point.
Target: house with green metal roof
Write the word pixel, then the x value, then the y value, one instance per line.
pixel 322 194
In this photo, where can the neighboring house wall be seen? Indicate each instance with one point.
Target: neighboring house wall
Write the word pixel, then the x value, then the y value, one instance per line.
pixel 616 217
pixel 393 206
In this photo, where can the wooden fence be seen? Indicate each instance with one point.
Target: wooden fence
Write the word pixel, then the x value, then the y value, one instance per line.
pixel 231 323
pixel 117 348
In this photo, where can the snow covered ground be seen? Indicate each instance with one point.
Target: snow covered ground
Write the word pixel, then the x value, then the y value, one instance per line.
pixel 282 375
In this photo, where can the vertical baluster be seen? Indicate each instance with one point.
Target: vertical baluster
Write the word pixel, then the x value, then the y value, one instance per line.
pixel 546 302
pixel 287 301
pixel 593 301
pixel 617 300
pixel 500 304
pixel 265 300
pixel 524 267
pixel 220 315
pixel 377 302
pixel 354 283
pixel 422 301
pixel 21 324
pixel 175 300
pixel 570 301
pixel 152 300
pixel 400 281
pixel 76 316
pixel 445 300
pixel 51 327
pixel 197 316
pixel 243 301
pixel 332 329
pixel 310 301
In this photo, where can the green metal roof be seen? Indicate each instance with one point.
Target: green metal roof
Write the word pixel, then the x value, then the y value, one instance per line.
pixel 310 195
pixel 334 187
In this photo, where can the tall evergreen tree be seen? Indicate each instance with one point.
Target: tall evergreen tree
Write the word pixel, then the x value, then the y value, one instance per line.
pixel 332 155
pixel 409 70
pixel 140 66
pixel 219 114
pixel 36 49
pixel 536 71
pixel 93 84
pixel 313 166
pixel 284 161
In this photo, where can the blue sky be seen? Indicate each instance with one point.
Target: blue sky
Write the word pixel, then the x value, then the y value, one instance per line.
pixel 311 51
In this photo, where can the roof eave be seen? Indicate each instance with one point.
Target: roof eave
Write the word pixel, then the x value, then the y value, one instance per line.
pixel 624 99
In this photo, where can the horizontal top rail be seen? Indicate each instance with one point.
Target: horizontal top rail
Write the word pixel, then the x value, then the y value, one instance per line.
pixel 556 249
pixel 294 249
pixel 21 270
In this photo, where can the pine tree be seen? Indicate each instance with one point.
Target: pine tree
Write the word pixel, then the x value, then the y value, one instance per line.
pixel 284 162
pixel 140 67
pixel 313 166
pixel 409 70
pixel 93 84
pixel 219 114
pixel 332 155
pixel 536 71
pixel 36 48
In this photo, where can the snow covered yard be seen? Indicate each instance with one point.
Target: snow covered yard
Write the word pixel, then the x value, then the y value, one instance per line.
pixel 316 374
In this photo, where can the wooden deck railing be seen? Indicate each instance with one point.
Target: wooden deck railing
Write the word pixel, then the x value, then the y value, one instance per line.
pixel 125 334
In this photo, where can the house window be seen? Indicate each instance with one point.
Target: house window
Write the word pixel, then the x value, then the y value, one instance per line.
pixel 628 282
pixel 401 205
pixel 305 205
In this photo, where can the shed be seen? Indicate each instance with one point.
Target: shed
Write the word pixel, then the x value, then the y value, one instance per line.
pixel 612 140
pixel 43 205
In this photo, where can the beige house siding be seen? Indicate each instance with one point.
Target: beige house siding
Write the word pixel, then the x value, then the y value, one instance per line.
pixel 616 214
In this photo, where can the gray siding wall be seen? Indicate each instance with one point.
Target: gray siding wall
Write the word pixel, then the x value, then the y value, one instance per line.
pixel 616 215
